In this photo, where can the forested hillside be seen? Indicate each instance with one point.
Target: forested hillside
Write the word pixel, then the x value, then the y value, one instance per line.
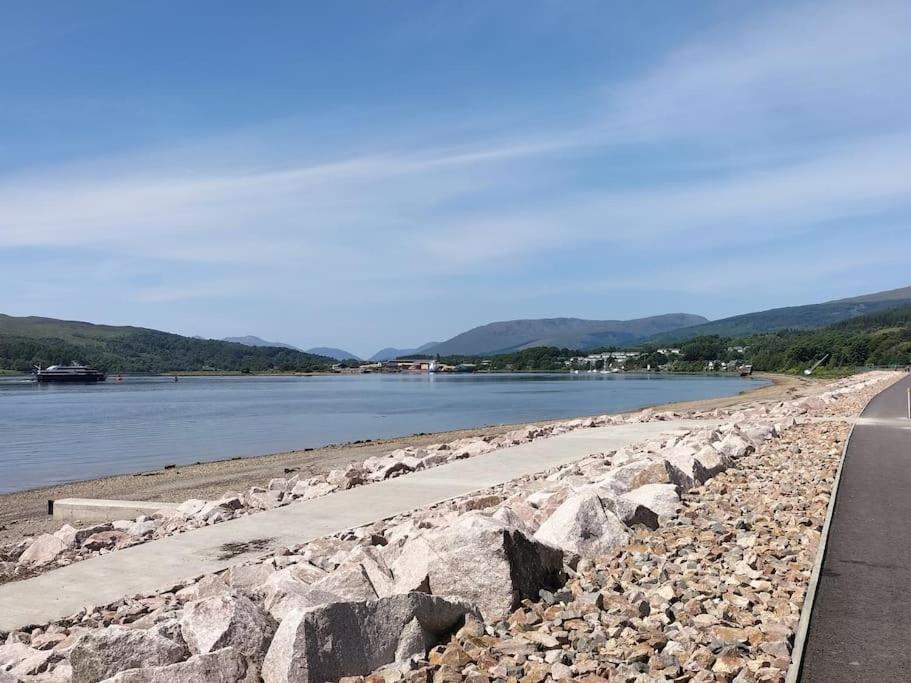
pixel 809 317
pixel 882 338
pixel 25 342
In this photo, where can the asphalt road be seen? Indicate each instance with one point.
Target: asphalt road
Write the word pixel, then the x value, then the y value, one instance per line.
pixel 860 626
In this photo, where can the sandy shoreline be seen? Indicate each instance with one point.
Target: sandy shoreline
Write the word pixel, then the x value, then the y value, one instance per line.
pixel 24 513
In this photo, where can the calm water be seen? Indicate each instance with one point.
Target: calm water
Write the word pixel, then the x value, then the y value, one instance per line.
pixel 53 434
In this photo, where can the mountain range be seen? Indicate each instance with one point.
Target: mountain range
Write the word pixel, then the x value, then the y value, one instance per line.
pixel 25 341
pixel 331 352
pixel 391 352
pixel 251 340
pixel 327 351
pixel 513 335
pixel 572 333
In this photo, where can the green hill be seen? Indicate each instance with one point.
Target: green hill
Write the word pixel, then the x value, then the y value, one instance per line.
pixel 514 335
pixel 29 341
pixel 808 317
pixel 882 338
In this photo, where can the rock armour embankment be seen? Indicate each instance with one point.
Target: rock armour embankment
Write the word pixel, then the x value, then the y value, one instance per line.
pixel 680 559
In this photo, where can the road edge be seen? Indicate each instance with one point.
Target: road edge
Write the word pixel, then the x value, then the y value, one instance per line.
pixel 806 611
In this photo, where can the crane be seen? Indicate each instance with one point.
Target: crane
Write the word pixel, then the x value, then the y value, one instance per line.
pixel 809 370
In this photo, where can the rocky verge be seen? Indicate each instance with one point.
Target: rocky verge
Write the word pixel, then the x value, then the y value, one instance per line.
pixel 677 559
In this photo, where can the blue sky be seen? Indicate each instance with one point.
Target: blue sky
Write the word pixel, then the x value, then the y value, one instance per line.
pixel 367 174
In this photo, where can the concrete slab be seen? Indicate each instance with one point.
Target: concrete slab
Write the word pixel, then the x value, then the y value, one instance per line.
pixel 162 563
pixel 105 510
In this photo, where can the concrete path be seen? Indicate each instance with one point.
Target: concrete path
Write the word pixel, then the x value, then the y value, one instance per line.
pixel 158 564
pixel 861 617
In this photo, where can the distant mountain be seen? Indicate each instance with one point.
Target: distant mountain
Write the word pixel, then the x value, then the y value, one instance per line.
pixel 573 333
pixel 250 340
pixel 896 296
pixel 338 354
pixel 29 341
pixel 808 317
pixel 391 352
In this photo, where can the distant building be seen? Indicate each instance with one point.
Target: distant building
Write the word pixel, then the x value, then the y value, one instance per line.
pixel 615 359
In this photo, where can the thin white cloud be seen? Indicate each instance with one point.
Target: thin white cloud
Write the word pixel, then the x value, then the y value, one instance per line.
pixel 829 63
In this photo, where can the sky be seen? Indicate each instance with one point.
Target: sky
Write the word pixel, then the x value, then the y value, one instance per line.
pixel 371 174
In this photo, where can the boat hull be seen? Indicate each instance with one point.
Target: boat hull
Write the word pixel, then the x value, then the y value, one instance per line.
pixel 71 379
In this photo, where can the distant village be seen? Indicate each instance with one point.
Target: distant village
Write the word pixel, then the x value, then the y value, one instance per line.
pixel 412 365
pixel 616 361
pixel 607 361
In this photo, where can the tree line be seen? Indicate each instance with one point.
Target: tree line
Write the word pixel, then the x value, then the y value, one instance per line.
pixel 150 351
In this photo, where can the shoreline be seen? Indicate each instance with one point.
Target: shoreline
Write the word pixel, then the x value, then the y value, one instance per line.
pixel 24 513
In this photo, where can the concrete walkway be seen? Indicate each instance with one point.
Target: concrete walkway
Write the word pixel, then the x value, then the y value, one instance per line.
pixel 861 616
pixel 159 564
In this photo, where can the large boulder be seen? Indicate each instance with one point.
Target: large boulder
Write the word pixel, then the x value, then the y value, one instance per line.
pixel 289 588
pixel 221 666
pixel 226 621
pixel 411 569
pixel 12 653
pixel 37 662
pixel 682 466
pixel 633 475
pixel 391 468
pixel 712 462
pixel 375 568
pixel 106 539
pixel 509 516
pixel 73 537
pixel 734 445
pixel 143 528
pixel 264 500
pixel 247 576
pixel 482 561
pixel 349 583
pixel 206 587
pixel 190 507
pixel 471 448
pixel 44 549
pixel 690 467
pixel 317 490
pixel 347 478
pixel 646 504
pixel 101 653
pixel 355 638
pixel 214 513
pixel 7 571
pixel 584 526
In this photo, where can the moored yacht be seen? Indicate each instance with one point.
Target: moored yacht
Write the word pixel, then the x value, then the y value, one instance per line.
pixel 74 372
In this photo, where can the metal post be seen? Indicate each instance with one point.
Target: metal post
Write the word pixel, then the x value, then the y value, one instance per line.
pixel 909 403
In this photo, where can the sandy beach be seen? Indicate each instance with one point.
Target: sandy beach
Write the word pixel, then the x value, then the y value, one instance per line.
pixel 24 513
